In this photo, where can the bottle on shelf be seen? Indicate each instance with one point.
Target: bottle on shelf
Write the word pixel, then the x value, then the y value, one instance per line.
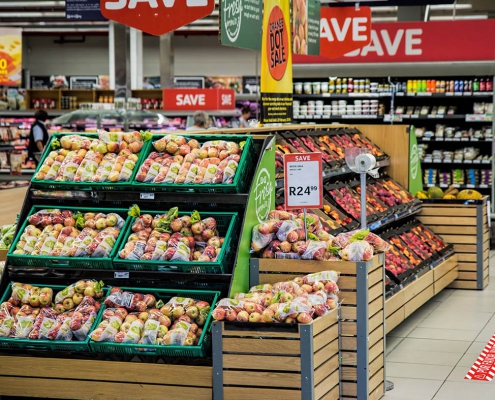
pixel 482 85
pixel 489 84
pixel 476 85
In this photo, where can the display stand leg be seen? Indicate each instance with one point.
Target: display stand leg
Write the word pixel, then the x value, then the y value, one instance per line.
pixel 363 201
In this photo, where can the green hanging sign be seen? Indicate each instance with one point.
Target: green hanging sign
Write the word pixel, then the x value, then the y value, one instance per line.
pixel 261 202
pixel 415 172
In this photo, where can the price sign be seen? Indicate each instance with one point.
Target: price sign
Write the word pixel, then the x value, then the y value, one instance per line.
pixel 303 180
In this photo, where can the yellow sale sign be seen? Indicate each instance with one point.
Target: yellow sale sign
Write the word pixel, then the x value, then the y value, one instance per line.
pixel 10 56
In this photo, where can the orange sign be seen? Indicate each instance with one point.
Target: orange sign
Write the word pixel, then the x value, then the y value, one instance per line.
pixel 10 57
pixel 277 44
pixel 344 29
pixel 156 17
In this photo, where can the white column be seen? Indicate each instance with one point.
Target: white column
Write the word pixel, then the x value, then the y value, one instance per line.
pixel 136 42
pixel 111 54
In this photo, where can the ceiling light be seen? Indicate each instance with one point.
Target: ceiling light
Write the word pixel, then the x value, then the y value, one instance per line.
pixel 34 14
pixel 17 4
pixel 463 17
pixel 384 19
pixel 66 29
pixel 384 9
pixel 440 7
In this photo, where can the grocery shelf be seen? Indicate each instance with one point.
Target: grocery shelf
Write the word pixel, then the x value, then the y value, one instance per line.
pixel 341 96
pixel 395 217
pixel 445 95
pixel 215 113
pixel 338 117
pixel 457 162
pixel 30 113
pixel 455 140
pixel 444 186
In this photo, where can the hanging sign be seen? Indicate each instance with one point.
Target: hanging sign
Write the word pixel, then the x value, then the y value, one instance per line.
pixel 83 10
pixel 276 63
pixel 156 17
pixel 344 29
pixel 306 27
pixel 303 182
pixel 10 57
pixel 433 41
pixel 240 23
pixel 198 99
pixel 415 173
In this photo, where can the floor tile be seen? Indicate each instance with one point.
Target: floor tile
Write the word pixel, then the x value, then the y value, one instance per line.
pixel 467 360
pixel 424 357
pixel 476 347
pixel 445 334
pixel 392 343
pixel 445 346
pixel 455 303
pixel 417 371
pixel 486 334
pixel 466 391
pixel 458 374
pixel 413 389
pixel 461 320
pixel 410 323
pixel 444 294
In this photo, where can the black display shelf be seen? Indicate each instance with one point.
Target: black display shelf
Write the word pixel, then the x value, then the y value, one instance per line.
pixel 445 95
pixel 470 163
pixel 453 140
pixel 336 96
pixel 461 187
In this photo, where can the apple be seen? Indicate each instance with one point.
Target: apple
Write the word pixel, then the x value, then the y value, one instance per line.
pixel 166 310
pixel 178 311
pixel 89 291
pixel 201 320
pixel 121 313
pixel 162 331
pixel 243 316
pixel 230 315
pixel 164 320
pixel 131 318
pixel 192 312
pixel 34 300
pixel 304 318
pixel 218 314
pixel 150 300
pixel 68 303
pixel 318 286
pixel 290 320
pixel 307 288
pixel 255 317
pixel 143 316
pixel 331 287
pixel 45 299
pixel 80 286
pixel 249 307
pixel 59 308
pixel 77 298
pixel 101 224
pixel 35 290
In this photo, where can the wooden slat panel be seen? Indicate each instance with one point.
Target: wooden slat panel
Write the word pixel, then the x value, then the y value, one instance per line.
pixel 466 266
pixel 375 306
pixel 376 320
pixel 326 385
pixel 467 276
pixel 460 239
pixel 416 287
pixel 348 312
pixel 376 380
pixel 333 394
pixel 325 337
pixel 375 277
pixel 395 319
pixel 270 363
pixel 464 248
pixel 113 371
pixel 325 353
pixel 349 389
pixel 376 350
pixel 326 369
pixel 420 299
pixel 260 333
pixel 263 378
pixel 348 328
pixel 376 364
pixel 261 346
pixel 81 389
pixel 486 272
pixel 375 291
pixel 242 393
pixel 451 229
pixel 393 303
pixel 348 343
pixel 349 373
pixel 322 323
pixel 349 358
pixel 378 392
pixel 347 282
pixel 274 278
pixel 467 257
pixel 441 269
pixel 375 336
pixel 445 281
pixel 449 211
pixel 467 221
pixel 463 285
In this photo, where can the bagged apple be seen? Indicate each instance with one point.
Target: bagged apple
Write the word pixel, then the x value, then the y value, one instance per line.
pixel 314 250
pixel 23 326
pixel 265 288
pixel 61 331
pixel 181 335
pixel 358 250
pixel 133 335
pixel 83 318
pixel 83 288
pixel 6 320
pixel 45 321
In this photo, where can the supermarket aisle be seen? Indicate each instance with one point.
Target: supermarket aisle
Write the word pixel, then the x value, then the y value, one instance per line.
pixel 430 353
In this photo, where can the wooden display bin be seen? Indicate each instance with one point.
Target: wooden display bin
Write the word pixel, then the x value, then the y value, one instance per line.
pixel 362 336
pixel 277 361
pixel 3 255
pixel 94 379
pixel 466 227
pixel 402 304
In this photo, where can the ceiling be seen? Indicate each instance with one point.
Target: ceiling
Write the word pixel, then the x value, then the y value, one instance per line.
pixel 48 16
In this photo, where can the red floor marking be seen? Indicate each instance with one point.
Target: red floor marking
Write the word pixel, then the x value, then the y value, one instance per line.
pixel 483 368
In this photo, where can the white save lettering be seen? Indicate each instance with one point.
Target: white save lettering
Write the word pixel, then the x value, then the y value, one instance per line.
pixel 131 4
pixel 358 26
pixel 226 99
pixel 303 158
pixel 190 100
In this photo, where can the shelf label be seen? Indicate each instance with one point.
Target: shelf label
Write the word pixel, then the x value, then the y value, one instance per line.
pixel 458 161
pixel 425 94
pixel 467 93
pixel 437 160
pixel 449 94
pixel 458 94
pixel 439 139
pixel 448 161
pixel 303 184
pixel 476 161
pixel 470 186
pixel 474 139
pixel 426 139
pixel 147 196
pixel 449 139
pixel 468 161
pixel 456 185
pixel 464 139
pixel 484 187
pixel 121 275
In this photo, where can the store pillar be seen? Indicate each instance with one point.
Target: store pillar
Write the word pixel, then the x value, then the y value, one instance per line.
pixel 410 13
pixel 136 53
pixel 166 61
pixel 119 39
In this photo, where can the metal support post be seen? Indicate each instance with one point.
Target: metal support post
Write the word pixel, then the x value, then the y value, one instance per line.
pixel 307 366
pixel 216 338
pixel 362 330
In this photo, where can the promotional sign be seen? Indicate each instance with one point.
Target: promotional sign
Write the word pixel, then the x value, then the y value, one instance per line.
pixel 198 99
pixel 276 63
pixel 240 23
pixel 415 173
pixel 250 84
pixel 344 29
pixel 83 82
pixel 306 27
pixel 10 56
pixel 261 201
pixel 197 82
pixel 303 182
pixel 83 10
pixel 378 3
pixel 483 368
pixel 224 82
pixel 421 42
pixel 156 17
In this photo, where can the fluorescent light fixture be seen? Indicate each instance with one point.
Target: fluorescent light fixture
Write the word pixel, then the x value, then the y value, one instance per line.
pixel 33 14
pixel 458 17
pixel 17 4
pixel 383 19
pixel 66 29
pixel 205 21
pixel 441 7
pixel 384 9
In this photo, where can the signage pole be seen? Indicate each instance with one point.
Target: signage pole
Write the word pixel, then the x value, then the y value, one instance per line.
pixel 305 225
pixel 363 201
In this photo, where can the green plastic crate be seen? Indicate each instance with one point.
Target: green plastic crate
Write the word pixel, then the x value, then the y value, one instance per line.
pixel 242 177
pixel 226 225
pixel 200 350
pixel 26 260
pixel 90 186
pixel 43 344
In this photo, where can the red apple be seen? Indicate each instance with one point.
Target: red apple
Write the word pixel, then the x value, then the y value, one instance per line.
pixel 243 316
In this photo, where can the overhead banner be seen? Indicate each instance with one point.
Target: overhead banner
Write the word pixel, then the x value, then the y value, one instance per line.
pixel 344 29
pixel 276 63
pixel 433 41
pixel 198 99
pixel 10 57
pixel 83 10
pixel 306 27
pixel 240 23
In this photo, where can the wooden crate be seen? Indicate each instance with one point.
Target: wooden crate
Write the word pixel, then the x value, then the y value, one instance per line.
pixel 277 361
pixel 362 317
pixel 402 304
pixel 466 227
pixel 93 379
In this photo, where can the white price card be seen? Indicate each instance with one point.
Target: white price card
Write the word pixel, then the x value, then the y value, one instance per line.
pixel 303 182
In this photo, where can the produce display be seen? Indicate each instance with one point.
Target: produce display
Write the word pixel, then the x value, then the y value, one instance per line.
pixel 144 319
pixel 66 233
pixel 180 160
pixel 298 301
pixel 30 312
pixel 332 212
pixel 350 201
pixel 452 193
pixel 7 236
pixel 110 157
pixel 283 236
pixel 172 238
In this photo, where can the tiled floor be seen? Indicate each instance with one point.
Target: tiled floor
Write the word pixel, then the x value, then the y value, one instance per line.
pixel 429 354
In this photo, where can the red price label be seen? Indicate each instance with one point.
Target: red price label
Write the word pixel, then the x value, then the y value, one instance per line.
pixel 303 181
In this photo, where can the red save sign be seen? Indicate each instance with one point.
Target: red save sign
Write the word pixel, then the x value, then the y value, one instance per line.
pixel 198 99
pixel 303 182
pixel 344 29
pixel 156 17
